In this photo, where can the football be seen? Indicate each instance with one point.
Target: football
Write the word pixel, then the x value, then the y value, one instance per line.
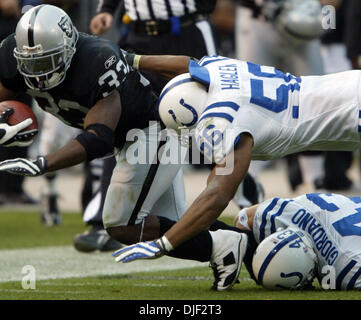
pixel 21 113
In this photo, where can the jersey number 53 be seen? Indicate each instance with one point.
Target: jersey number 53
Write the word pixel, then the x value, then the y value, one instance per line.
pixel 290 84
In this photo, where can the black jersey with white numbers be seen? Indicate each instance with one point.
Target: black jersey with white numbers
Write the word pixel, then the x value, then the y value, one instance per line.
pixel 97 69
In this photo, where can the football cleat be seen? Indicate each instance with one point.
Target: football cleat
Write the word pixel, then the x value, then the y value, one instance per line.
pixel 229 248
pixel 49 211
pixel 95 239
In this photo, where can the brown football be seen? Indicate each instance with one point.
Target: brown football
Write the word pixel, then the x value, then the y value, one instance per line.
pixel 21 113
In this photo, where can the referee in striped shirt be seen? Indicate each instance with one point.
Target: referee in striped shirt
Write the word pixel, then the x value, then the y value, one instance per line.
pixel 178 27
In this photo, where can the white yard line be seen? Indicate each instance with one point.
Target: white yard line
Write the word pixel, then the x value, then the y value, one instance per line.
pixel 65 262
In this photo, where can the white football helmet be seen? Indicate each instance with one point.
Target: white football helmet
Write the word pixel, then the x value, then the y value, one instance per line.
pixel 285 259
pixel 181 102
pixel 300 19
pixel 45 45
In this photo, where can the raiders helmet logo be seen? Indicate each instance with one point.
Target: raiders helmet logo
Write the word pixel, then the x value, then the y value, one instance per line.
pixel 66 26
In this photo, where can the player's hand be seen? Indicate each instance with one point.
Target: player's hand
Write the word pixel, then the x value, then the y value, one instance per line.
pixel 141 250
pixel 101 23
pixel 10 136
pixel 25 167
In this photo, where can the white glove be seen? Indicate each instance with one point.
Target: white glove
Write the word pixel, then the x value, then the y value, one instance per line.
pixel 24 167
pixel 11 136
pixel 141 250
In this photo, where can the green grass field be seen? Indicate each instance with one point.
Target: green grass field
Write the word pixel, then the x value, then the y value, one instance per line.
pixel 62 273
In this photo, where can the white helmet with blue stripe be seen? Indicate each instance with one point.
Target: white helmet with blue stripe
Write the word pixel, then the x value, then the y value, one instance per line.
pixel 181 102
pixel 285 259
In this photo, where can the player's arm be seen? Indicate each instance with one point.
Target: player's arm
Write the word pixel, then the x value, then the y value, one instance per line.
pixel 215 198
pixel 167 66
pixel 95 141
pixel 203 211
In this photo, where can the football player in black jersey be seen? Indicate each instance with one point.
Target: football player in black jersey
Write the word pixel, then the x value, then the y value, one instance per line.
pixel 87 83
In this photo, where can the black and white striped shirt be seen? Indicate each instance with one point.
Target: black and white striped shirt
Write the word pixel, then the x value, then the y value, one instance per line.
pixel 140 10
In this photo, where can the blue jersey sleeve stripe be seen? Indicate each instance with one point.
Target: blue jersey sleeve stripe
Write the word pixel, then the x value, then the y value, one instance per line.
pixel 206 58
pixel 270 256
pixel 264 218
pixel 202 59
pixel 237 139
pixel 225 104
pixel 355 199
pixel 217 115
pixel 204 63
pixel 199 73
pixel 277 214
pixel 353 280
pixel 171 87
pixel 343 273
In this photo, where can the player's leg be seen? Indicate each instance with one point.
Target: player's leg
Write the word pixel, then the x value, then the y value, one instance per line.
pixel 146 200
pixel 138 181
pixel 96 238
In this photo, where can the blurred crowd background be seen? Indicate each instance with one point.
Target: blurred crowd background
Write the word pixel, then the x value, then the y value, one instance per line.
pixel 243 29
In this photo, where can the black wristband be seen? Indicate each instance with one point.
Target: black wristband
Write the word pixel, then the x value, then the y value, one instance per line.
pixel 129 57
pixel 132 59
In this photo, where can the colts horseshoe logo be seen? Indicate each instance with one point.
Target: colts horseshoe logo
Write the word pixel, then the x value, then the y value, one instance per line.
pixel 191 109
pixel 292 274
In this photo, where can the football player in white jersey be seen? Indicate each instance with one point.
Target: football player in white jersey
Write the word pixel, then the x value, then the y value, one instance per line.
pixel 331 224
pixel 243 111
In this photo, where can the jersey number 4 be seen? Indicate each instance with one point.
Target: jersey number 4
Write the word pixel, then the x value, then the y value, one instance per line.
pixel 290 83
pixel 346 226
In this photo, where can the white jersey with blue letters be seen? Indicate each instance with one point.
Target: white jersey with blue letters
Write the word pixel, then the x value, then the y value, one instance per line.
pixel 333 222
pixel 284 114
